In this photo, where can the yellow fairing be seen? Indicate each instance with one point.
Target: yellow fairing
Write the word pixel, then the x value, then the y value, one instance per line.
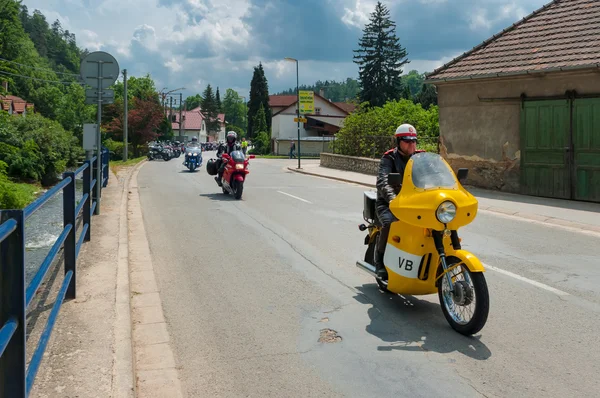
pixel 469 259
pixel 417 206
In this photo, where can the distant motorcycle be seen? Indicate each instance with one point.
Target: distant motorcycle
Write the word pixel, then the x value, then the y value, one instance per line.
pixel 158 152
pixel 193 158
pixel 234 175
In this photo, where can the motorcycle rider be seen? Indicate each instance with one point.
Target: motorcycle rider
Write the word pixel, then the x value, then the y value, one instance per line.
pixel 393 161
pixel 229 146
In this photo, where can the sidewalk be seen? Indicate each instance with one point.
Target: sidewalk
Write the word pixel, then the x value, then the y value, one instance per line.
pixel 90 353
pixel 578 215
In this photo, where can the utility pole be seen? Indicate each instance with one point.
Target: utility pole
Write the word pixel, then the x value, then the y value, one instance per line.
pixel 180 110
pixel 125 133
pixel 171 111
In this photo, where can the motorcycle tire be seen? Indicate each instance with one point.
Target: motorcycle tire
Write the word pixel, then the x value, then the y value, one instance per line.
pixel 238 189
pixel 482 302
pixel 166 158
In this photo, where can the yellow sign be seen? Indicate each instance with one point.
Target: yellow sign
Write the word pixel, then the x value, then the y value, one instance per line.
pixel 307 102
pixel 302 120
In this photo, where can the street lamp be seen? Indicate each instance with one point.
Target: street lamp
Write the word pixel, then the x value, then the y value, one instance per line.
pixel 297 104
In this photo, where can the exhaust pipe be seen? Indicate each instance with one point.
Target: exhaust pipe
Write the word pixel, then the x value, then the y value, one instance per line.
pixel 366 267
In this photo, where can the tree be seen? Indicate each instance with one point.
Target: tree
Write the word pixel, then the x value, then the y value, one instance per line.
pixel 413 80
pixel 193 101
pixel 218 100
pixel 260 121
pixel 144 120
pixel 210 111
pixel 380 58
pixel 234 109
pixel 259 95
pixel 427 96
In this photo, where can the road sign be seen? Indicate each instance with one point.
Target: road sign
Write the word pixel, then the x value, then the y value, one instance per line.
pixel 99 66
pixel 307 102
pixel 91 96
pixel 302 120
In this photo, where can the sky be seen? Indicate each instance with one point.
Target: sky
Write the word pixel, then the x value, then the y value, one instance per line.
pixel 191 43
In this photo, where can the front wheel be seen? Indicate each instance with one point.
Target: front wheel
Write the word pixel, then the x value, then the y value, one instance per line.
pixel 466 309
pixel 238 189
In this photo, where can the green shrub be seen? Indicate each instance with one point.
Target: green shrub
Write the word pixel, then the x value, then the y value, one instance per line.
pixel 369 132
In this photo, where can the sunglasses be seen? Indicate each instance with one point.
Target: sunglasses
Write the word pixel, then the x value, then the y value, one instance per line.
pixel 410 141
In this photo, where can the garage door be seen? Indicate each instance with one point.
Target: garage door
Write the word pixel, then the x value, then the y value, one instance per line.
pixel 545 165
pixel 560 149
pixel 586 145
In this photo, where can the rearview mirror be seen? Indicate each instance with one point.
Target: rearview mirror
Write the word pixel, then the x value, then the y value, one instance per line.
pixel 394 179
pixel 462 174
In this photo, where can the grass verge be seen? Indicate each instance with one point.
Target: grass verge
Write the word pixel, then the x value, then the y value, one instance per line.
pixel 117 165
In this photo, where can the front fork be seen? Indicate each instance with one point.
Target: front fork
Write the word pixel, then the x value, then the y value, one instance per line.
pixel 438 239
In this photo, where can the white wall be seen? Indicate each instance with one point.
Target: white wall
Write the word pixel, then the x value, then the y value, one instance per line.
pixel 288 128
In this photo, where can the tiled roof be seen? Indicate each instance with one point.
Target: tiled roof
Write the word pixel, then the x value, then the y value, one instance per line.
pixel 18 104
pixel 193 120
pixel 346 106
pixel 562 35
pixel 276 101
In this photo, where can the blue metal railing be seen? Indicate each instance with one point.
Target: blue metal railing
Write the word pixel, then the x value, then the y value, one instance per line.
pixel 16 378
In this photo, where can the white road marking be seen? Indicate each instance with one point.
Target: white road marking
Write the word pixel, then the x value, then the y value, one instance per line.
pixel 295 197
pixel 527 280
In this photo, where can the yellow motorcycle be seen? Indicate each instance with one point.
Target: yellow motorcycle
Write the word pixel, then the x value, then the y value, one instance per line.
pixel 423 254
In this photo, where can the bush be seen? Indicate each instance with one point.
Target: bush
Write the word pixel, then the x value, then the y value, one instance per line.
pixel 369 132
pixel 12 195
pixel 262 144
pixel 36 148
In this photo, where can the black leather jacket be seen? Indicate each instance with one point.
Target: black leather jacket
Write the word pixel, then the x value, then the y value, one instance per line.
pixel 224 148
pixel 392 162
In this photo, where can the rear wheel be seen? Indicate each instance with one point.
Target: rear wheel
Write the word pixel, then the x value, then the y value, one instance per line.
pixel 466 309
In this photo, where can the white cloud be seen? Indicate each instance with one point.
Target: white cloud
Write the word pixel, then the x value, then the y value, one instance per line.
pixel 195 42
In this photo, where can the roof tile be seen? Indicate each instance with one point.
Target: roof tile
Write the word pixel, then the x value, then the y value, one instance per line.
pixel 562 34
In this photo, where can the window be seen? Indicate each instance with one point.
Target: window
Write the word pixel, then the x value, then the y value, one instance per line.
pixel 318 111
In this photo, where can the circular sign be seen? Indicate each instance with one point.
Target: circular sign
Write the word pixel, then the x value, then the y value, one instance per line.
pixel 99 64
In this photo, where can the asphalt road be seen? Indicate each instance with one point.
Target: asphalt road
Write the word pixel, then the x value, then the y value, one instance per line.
pixel 247 286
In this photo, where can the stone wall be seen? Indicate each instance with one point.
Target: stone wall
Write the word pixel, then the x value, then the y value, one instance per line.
pixel 350 163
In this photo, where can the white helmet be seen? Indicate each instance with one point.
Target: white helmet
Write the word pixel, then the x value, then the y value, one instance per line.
pixel 406 132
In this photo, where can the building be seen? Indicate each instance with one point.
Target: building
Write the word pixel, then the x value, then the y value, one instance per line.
pixel 522 109
pixel 222 127
pixel 193 124
pixel 318 130
pixel 15 105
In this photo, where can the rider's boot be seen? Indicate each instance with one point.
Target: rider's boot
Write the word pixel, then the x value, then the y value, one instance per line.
pixel 379 266
pixel 218 180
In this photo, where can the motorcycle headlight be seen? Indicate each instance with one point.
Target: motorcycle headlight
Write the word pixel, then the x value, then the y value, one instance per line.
pixel 446 212
pixel 239 166
pixel 189 154
pixel 195 154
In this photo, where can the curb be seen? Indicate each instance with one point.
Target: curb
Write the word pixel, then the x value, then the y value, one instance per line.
pixel 555 222
pixel 124 366
pixel 155 371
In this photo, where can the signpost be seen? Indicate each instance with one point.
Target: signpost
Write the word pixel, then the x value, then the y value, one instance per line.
pixel 300 119
pixel 307 102
pixel 99 70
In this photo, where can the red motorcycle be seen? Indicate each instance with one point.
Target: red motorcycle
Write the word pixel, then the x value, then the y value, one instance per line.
pixel 235 173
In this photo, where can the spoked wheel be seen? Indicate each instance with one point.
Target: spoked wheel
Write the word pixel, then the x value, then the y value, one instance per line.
pixel 370 258
pixel 466 309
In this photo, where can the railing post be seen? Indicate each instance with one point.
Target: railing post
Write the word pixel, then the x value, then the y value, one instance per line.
pixel 87 217
pixel 71 240
pixel 97 163
pixel 105 155
pixel 12 304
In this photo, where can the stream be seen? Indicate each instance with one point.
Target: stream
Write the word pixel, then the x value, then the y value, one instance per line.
pixel 43 228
